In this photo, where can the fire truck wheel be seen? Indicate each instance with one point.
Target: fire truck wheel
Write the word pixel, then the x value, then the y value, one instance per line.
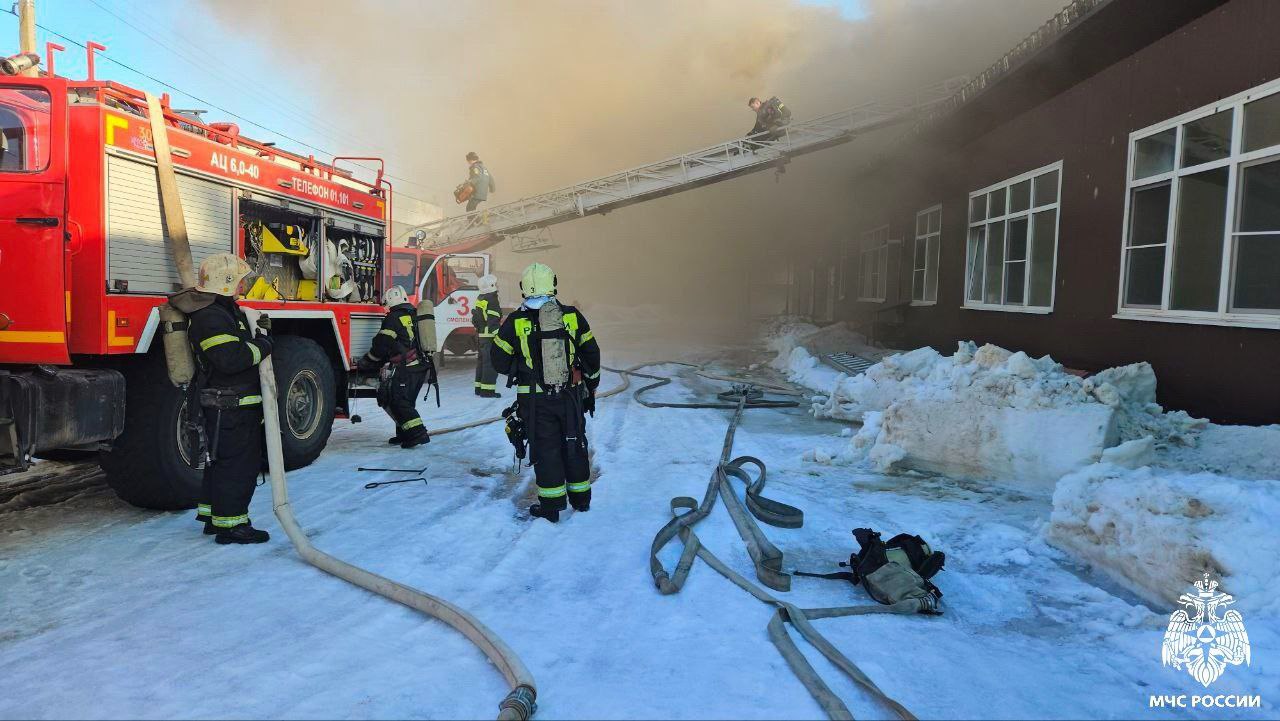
pixel 146 466
pixel 308 396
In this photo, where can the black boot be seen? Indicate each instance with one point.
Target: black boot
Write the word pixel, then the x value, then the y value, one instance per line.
pixel 209 528
pixel 583 507
pixel 393 440
pixel 243 533
pixel 416 439
pixel 490 394
pixel 550 514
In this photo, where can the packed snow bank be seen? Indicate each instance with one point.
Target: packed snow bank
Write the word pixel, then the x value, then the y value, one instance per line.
pixel 1156 531
pixel 985 412
pixel 1152 499
pixel 970 439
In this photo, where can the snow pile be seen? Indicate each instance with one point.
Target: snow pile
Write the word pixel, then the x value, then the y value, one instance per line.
pixel 1156 531
pixel 785 329
pixel 985 411
pixel 1152 499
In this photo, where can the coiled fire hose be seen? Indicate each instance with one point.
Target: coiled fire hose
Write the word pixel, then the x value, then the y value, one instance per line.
pixel 519 704
pixel 765 556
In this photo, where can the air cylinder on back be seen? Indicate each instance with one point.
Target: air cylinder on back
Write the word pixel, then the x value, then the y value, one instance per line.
pixel 178 359
pixel 425 320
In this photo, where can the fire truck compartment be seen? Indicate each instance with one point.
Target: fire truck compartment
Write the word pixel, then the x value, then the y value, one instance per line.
pixel 138 259
pixel 281 243
pixel 363 329
pixel 48 408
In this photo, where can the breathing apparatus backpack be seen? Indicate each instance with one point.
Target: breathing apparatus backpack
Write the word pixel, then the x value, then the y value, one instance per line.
pixel 892 571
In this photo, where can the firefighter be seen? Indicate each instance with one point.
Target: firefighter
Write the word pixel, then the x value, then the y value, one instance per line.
pixel 227 354
pixel 549 351
pixel 480 181
pixel 485 316
pixel 407 368
pixel 771 117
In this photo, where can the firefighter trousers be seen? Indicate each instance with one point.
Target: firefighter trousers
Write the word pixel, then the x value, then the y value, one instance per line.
pixel 486 376
pixel 232 474
pixel 558 443
pixel 401 398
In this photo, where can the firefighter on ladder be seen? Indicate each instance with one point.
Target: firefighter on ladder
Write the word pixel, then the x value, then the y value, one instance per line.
pixel 480 180
pixel 404 367
pixel 227 354
pixel 550 352
pixel 772 116
pixel 485 316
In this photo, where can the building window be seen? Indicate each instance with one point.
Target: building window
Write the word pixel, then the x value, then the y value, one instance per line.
pixel 924 269
pixel 1012 248
pixel 875 264
pixel 1202 216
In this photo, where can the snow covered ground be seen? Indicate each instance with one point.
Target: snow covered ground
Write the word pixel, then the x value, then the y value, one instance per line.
pixel 107 611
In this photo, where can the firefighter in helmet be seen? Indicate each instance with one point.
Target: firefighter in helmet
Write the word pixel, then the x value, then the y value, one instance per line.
pixel 396 347
pixel 227 355
pixel 485 316
pixel 553 357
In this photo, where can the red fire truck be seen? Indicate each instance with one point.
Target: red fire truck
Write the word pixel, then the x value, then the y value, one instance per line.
pixel 451 281
pixel 85 264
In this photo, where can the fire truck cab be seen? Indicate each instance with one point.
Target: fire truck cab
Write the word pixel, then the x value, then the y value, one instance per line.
pixel 85 264
pixel 451 281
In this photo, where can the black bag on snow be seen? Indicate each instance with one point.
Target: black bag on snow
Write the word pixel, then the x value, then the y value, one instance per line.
pixel 892 571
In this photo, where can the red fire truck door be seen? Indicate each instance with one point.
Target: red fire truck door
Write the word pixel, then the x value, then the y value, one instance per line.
pixel 33 147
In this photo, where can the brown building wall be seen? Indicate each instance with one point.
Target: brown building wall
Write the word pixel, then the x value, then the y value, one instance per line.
pixel 1224 373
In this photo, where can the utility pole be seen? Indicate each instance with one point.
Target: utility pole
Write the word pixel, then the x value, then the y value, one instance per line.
pixel 27 33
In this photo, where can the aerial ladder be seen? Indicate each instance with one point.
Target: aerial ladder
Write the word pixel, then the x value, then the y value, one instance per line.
pixel 480 229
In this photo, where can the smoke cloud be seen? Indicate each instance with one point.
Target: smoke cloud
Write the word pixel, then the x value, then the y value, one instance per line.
pixel 551 92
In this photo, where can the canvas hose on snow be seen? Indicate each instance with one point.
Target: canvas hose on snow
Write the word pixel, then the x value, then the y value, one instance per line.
pixel 767 559
pixel 519 704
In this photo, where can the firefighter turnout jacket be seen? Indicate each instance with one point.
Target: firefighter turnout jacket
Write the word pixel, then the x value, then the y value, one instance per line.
pixel 480 180
pixel 486 314
pixel 227 350
pixel 517 348
pixel 396 338
pixel 771 115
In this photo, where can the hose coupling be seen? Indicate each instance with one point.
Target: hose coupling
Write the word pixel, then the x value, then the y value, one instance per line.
pixel 519 704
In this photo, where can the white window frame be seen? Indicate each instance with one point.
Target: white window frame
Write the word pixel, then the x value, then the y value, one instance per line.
pixel 1234 162
pixel 879 255
pixel 930 269
pixel 846 252
pixel 1004 218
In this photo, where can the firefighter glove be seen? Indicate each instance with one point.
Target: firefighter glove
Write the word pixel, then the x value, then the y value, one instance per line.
pixel 264 344
pixel 264 322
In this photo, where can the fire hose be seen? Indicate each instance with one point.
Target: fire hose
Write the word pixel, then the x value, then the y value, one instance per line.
pixel 519 704
pixel 766 558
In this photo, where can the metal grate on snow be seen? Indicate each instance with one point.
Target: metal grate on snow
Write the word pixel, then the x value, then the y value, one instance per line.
pixel 849 363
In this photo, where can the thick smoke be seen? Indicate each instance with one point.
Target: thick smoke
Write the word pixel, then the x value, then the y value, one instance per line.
pixel 550 92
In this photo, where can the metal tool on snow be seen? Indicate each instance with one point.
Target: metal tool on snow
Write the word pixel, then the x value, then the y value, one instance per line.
pixel 375 484
pixel 394 470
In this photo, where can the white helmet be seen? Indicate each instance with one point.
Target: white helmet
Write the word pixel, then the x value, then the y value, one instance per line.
pixel 394 296
pixel 489 283
pixel 537 279
pixel 221 273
